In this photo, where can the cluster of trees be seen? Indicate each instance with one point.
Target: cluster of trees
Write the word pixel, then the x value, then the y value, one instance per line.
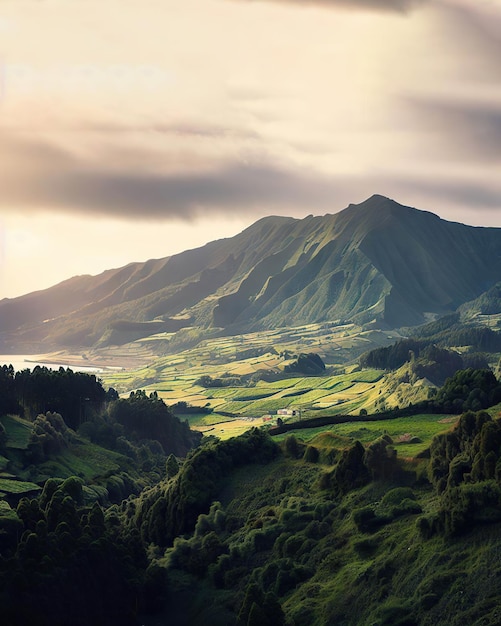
pixel 75 395
pixel 147 417
pixel 65 562
pixel 49 436
pixel 59 402
pixel 428 360
pixel 428 350
pixel 185 408
pixel 310 364
pixel 223 381
pixel 394 356
pixel 172 508
pixel 465 469
pixel 469 389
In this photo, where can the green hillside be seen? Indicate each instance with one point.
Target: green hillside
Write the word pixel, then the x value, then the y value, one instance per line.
pixel 374 519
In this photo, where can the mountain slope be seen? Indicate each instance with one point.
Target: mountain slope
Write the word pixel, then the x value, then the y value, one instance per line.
pixel 374 261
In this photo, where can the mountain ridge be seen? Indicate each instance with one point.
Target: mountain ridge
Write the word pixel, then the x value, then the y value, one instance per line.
pixel 374 261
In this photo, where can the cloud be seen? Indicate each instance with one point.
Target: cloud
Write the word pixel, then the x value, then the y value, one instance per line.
pixel 456 193
pixel 37 176
pixel 464 130
pixel 399 6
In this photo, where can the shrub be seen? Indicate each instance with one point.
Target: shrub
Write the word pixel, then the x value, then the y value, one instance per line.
pixel 311 454
pixel 396 496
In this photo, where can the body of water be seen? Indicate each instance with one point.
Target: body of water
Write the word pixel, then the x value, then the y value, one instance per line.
pixel 30 361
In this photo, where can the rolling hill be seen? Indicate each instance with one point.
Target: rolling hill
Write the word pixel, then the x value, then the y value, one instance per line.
pixel 375 261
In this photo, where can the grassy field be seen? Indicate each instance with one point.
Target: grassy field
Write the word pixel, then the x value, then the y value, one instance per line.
pixel 85 460
pixel 333 394
pixel 18 431
pixel 419 428
pixel 344 388
pixel 216 356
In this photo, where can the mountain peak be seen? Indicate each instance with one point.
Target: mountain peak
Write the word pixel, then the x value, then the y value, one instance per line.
pixel 374 260
pixel 378 206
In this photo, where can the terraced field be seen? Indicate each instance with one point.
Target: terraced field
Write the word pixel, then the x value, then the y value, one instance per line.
pixel 242 371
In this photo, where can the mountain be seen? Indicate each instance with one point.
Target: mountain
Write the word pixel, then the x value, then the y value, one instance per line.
pixel 377 260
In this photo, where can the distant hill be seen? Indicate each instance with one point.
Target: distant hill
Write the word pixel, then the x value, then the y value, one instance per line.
pixel 377 260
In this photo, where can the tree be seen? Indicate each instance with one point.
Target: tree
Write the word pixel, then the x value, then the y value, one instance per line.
pixel 171 466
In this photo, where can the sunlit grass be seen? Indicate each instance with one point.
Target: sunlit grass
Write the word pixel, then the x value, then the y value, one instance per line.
pixel 402 429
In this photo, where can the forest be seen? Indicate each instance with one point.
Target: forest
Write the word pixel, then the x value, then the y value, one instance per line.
pixel 251 530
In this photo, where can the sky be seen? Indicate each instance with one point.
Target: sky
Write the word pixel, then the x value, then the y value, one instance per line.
pixel 135 129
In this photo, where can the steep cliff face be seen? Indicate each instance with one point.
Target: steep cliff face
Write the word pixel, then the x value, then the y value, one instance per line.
pixel 375 260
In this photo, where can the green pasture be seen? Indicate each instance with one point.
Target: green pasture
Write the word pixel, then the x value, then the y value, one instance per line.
pixel 251 393
pixel 234 406
pixel 367 376
pixel 202 420
pixel 233 427
pixel 401 429
pixel 344 389
pixel 88 461
pixel 221 392
pixel 311 397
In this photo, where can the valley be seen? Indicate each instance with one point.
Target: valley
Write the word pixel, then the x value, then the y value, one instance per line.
pixel 298 426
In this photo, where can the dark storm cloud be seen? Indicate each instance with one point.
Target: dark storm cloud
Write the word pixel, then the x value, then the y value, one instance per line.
pixel 234 188
pixel 400 6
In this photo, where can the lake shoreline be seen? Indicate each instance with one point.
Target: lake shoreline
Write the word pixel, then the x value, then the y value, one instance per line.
pixel 93 363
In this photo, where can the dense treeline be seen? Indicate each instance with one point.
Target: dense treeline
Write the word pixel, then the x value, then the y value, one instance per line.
pixel 430 344
pixel 148 418
pixel 393 356
pixel 63 558
pixel 65 563
pixel 31 392
pixel 469 389
pixel 81 402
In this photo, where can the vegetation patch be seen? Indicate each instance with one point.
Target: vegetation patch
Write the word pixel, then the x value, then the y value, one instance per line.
pixel 17 486
pixel 18 432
